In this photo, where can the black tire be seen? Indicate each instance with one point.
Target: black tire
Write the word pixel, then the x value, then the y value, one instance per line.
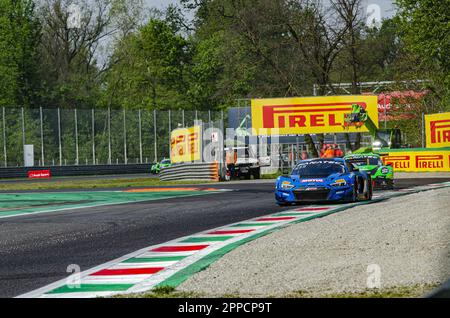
pixel 256 174
pixel 370 191
pixel 391 185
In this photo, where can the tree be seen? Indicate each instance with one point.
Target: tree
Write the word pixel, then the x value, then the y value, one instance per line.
pixel 72 59
pixel 148 68
pixel 425 31
pixel 19 38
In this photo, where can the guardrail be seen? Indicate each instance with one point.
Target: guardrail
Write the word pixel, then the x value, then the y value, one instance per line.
pixel 191 171
pixel 69 171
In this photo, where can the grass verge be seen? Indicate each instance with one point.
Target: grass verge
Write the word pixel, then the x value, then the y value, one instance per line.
pixel 93 184
pixel 416 291
pixel 161 292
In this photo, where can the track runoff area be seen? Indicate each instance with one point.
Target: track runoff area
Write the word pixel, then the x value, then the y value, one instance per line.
pixel 171 263
pixel 17 204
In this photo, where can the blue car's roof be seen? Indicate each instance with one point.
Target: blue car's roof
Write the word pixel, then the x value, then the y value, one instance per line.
pixel 340 160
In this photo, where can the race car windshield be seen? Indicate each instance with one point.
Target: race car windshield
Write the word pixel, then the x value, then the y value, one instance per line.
pixel 365 161
pixel 318 169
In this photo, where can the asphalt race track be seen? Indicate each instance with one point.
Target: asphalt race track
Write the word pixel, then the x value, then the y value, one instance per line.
pixel 35 250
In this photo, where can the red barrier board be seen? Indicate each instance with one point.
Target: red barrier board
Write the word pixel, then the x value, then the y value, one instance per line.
pixel 39 174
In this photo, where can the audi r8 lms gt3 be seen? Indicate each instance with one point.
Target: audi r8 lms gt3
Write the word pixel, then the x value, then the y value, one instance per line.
pixel 323 180
pixel 382 175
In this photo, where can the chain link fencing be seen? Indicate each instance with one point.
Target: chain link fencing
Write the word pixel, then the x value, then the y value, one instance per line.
pixel 63 137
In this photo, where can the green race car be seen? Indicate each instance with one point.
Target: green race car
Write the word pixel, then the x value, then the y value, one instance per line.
pixel 382 175
pixel 156 168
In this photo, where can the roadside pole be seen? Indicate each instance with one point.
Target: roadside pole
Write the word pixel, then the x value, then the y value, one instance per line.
pixel 154 132
pixel 170 128
pixel 77 158
pixel 4 138
pixel 140 136
pixel 423 130
pixel 42 136
pixel 109 137
pixel 93 136
pixel 59 137
pixel 23 133
pixel 125 155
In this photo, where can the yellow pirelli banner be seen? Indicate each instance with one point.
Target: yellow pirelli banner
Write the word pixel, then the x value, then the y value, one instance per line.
pixel 185 145
pixel 309 115
pixel 418 160
pixel 438 130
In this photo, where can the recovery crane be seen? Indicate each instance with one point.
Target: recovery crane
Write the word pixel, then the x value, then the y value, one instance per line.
pixel 381 138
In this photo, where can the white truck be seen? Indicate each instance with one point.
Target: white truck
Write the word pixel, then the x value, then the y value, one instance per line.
pixel 248 164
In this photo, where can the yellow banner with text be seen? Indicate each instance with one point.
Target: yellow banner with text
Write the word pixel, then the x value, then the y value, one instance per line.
pixel 438 130
pixel 185 145
pixel 309 115
pixel 419 161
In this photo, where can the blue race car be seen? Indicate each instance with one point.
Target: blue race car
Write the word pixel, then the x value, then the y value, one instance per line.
pixel 323 180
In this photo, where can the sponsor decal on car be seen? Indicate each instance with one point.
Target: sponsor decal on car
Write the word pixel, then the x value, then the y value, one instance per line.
pixel 311 180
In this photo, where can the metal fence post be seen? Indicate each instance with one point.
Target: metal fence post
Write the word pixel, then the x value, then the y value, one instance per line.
pixel 93 136
pixel 59 137
pixel 182 116
pixel 23 128
pixel 4 138
pixel 77 158
pixel 125 136
pixel 423 130
pixel 140 137
pixel 154 131
pixel 170 128
pixel 42 136
pixel 196 115
pixel 109 137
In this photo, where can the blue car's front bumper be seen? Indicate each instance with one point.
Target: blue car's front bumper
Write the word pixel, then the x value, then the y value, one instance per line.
pixel 318 194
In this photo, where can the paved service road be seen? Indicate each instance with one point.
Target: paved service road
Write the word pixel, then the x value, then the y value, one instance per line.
pixel 35 250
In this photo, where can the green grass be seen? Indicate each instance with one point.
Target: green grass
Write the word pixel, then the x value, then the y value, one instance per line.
pixel 92 184
pixel 415 291
pixel 162 292
pixel 271 176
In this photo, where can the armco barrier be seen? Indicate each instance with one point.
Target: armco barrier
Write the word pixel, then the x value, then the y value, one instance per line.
pixel 191 171
pixel 68 171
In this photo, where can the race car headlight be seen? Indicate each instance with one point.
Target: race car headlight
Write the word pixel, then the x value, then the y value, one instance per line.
pixel 339 183
pixel 286 185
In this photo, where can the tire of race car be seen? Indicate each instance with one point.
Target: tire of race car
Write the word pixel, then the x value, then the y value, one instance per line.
pixel 369 191
pixel 355 192
pixel 391 185
pixel 257 174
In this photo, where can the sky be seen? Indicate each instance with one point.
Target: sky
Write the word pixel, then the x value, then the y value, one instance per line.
pixel 384 7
